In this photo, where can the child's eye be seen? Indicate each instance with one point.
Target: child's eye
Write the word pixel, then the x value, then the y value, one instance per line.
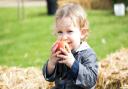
pixel 59 32
pixel 70 31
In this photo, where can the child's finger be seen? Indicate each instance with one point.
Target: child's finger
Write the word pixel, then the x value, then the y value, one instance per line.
pixel 54 48
pixel 61 56
pixel 58 52
pixel 61 61
pixel 65 52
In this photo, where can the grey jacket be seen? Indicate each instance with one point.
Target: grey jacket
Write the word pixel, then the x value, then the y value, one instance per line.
pixel 82 75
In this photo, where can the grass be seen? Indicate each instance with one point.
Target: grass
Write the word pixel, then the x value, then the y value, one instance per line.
pixel 27 42
pixel 108 32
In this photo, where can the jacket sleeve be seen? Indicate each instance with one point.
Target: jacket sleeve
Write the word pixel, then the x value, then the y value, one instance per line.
pixel 88 70
pixel 48 77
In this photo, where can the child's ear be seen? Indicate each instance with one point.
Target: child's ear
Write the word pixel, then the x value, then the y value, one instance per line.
pixel 84 29
pixel 84 33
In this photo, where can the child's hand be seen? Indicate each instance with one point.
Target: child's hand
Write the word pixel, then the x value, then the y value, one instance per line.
pixel 53 57
pixel 66 56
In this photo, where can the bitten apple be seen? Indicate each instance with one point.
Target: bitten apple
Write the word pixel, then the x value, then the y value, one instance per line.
pixel 60 44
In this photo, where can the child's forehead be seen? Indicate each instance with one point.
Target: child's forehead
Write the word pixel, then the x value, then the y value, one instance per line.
pixel 65 22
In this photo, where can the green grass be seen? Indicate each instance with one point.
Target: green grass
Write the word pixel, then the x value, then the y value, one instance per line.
pixel 105 26
pixel 27 42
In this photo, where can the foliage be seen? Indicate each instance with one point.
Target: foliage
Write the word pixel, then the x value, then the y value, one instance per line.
pixel 120 1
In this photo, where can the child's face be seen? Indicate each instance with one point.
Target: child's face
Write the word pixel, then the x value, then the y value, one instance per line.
pixel 68 31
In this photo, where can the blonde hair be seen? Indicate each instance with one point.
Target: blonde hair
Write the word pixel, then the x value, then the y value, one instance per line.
pixel 75 12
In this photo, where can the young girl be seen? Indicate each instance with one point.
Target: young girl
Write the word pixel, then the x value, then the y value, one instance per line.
pixel 76 67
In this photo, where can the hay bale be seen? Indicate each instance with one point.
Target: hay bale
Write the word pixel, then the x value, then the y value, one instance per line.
pixel 113 74
pixel 85 3
pixel 113 71
pixel 22 78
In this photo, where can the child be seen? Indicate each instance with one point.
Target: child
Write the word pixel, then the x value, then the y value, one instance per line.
pixel 76 67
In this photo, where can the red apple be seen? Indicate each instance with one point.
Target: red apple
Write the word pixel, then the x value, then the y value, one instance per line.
pixel 60 44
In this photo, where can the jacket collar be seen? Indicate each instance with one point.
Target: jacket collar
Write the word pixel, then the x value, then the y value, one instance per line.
pixel 83 46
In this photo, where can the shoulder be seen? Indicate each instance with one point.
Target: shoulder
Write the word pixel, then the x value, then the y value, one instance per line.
pixel 88 55
pixel 87 52
pixel 85 49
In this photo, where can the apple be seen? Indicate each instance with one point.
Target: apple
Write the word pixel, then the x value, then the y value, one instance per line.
pixel 60 44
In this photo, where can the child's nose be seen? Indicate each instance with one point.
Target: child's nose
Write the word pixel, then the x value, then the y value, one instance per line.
pixel 64 37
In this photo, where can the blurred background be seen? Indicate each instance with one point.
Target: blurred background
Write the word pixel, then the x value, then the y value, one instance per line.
pixel 26 29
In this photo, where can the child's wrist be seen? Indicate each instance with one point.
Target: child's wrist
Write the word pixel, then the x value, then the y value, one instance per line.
pixel 71 63
pixel 51 67
pixel 51 63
